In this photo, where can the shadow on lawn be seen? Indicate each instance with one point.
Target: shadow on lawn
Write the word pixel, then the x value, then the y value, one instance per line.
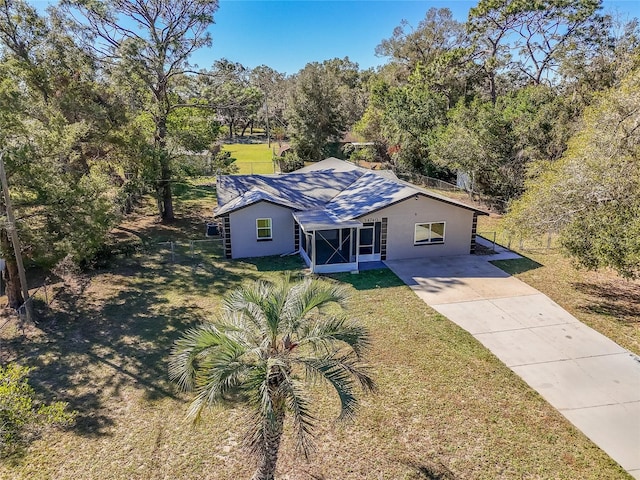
pixel 369 279
pixel 620 300
pixel 432 471
pixel 92 347
pixel 516 265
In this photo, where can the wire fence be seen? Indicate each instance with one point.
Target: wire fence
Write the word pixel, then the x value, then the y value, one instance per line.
pixel 42 296
pixel 546 242
pixel 251 168
pixel 190 251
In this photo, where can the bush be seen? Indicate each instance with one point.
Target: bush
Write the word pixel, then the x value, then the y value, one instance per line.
pixel 224 164
pixel 289 162
pixel 21 418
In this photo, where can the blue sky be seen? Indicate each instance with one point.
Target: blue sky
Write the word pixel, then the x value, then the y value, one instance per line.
pixel 288 34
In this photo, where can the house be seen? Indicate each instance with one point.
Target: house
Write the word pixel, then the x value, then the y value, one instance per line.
pixel 337 215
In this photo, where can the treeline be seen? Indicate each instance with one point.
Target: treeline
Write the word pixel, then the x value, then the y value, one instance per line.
pixel 99 105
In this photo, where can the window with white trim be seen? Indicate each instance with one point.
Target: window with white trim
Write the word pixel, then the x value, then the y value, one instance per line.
pixel 429 233
pixel 263 229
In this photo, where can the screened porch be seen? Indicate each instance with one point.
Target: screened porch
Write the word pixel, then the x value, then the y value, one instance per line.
pixel 327 244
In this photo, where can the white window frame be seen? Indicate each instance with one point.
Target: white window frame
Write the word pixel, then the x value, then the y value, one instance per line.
pixel 429 241
pixel 269 228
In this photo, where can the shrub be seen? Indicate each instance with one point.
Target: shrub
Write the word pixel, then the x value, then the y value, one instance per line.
pixel 21 418
pixel 289 162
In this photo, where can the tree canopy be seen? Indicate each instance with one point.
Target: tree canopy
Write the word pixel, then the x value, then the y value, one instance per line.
pixel 590 196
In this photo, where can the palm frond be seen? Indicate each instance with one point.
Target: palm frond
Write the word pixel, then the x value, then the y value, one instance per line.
pixel 308 295
pixel 299 406
pixel 332 333
pixel 212 363
pixel 340 371
pixel 196 343
pixel 261 303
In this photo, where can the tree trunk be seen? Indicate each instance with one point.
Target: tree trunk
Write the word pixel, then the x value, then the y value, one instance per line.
pixel 273 433
pixel 13 287
pixel 165 197
pixel 244 129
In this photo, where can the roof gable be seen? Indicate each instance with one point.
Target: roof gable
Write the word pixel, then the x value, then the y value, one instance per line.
pixel 370 192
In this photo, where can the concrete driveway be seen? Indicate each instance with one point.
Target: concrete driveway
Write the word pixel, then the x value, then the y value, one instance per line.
pixel 591 380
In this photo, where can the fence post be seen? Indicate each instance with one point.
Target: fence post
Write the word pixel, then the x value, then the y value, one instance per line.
pixel 173 254
pixel 494 241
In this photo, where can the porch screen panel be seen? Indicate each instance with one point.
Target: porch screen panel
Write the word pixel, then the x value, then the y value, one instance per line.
pixel 327 243
pixel 376 237
pixel 333 246
pixel 366 240
pixel 345 245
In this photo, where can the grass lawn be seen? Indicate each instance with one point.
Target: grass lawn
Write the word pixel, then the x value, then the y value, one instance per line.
pixel 446 408
pixel 602 300
pixel 252 157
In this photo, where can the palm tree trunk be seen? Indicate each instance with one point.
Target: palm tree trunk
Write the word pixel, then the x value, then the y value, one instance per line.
pixel 272 435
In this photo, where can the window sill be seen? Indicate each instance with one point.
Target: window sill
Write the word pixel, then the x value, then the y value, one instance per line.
pixel 430 243
pixel 264 239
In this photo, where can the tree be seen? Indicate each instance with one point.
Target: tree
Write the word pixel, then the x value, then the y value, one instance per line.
pixel 227 87
pixel 410 114
pixel 151 50
pixel 324 102
pixel 590 196
pixel 56 124
pixel 271 340
pixel 495 143
pixel 273 85
pixel 531 38
pixel 439 46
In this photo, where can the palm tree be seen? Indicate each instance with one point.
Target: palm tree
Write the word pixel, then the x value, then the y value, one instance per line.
pixel 271 342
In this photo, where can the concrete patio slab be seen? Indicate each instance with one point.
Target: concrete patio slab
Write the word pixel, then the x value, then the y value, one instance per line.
pixel 590 379
pixel 443 281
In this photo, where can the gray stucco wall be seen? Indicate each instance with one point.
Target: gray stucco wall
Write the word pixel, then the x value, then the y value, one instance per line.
pixel 403 216
pixel 243 231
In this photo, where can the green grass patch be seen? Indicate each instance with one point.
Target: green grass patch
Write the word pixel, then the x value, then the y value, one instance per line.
pixel 445 406
pixel 517 265
pixel 252 158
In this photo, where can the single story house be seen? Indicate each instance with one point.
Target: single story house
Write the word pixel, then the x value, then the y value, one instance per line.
pixel 337 215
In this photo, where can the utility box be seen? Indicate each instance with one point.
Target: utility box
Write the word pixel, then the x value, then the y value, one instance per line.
pixel 212 230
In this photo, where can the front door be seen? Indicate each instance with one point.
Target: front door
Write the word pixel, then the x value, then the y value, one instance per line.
pixel 369 245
